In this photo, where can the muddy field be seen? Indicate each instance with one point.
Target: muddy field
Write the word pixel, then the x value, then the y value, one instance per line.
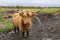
pixel 43 28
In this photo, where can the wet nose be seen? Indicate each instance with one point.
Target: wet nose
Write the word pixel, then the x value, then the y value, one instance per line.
pixel 26 22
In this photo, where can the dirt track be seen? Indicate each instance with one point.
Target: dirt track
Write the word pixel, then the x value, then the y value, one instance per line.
pixel 48 29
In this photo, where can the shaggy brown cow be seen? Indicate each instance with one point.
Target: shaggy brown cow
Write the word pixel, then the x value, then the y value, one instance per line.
pixel 23 21
pixel 27 17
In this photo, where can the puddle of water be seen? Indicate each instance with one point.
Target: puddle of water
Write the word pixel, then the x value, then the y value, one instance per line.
pixel 46 39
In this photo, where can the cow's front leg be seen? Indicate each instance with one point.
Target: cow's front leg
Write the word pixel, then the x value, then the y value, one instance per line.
pixel 27 34
pixel 18 29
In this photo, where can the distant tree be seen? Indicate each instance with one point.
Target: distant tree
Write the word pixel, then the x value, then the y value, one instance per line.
pixel 17 6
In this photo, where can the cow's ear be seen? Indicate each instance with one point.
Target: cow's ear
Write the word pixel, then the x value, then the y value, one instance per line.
pixel 21 14
pixel 10 15
pixel 34 14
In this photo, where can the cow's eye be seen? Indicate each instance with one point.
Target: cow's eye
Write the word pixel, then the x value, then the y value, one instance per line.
pixel 28 15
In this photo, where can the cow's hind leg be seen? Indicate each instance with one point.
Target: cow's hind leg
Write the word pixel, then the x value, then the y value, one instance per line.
pixel 15 29
pixel 23 33
pixel 18 29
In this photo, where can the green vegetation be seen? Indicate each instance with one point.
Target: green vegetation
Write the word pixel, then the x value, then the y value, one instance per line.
pixel 8 9
pixel 5 21
pixel 49 10
pixel 42 10
pixel 10 25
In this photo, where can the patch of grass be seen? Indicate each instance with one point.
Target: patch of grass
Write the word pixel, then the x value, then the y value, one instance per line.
pixel 5 21
pixel 49 10
pixel 9 26
pixel 44 10
pixel 7 9
pixel 4 9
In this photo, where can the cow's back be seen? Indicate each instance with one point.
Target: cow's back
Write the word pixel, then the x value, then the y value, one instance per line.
pixel 16 19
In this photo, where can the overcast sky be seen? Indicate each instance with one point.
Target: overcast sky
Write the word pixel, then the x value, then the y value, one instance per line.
pixel 30 3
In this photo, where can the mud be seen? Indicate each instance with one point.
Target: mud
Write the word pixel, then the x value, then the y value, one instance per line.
pixel 44 28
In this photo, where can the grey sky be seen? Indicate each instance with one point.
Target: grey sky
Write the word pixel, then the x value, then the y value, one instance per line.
pixel 30 3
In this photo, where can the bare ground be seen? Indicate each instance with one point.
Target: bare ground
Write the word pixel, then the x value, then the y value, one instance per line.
pixel 45 29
